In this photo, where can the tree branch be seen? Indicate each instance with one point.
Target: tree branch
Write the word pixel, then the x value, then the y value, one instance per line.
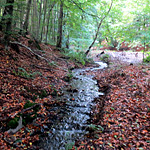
pixel 98 29
pixel 83 10
pixel 37 55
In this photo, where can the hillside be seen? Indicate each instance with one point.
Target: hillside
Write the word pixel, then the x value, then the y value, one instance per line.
pixel 29 80
pixel 32 78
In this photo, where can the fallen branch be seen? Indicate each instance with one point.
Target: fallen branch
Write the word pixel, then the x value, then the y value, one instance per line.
pixel 37 55
pixel 41 68
pixel 22 45
pixel 29 108
pixel 13 131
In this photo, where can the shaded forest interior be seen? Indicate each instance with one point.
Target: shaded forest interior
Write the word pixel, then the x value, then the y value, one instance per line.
pixel 42 41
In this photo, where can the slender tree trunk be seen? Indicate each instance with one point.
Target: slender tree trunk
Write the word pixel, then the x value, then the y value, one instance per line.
pixel 144 38
pixel 48 20
pixel 67 42
pixel 1 7
pixel 86 53
pixel 21 16
pixel 40 3
pixel 26 23
pixel 43 23
pixel 54 16
pixel 34 20
pixel 36 30
pixel 60 26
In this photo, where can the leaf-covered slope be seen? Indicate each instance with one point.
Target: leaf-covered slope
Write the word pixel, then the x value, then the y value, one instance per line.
pixel 126 114
pixel 29 79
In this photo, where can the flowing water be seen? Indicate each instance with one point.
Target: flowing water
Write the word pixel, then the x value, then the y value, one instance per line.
pixel 76 113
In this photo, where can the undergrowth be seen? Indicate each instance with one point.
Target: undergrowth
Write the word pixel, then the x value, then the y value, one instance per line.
pixel 75 56
pixel 147 59
pixel 22 72
pixel 105 58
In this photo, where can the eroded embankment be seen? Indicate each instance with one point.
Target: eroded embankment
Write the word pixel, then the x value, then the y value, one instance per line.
pixel 126 113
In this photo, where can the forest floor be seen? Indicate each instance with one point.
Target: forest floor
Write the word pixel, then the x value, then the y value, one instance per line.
pixel 121 57
pixel 124 111
pixel 29 84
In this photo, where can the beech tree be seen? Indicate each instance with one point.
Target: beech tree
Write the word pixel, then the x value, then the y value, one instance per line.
pixel 78 24
pixel 6 21
pixel 26 22
pixel 60 26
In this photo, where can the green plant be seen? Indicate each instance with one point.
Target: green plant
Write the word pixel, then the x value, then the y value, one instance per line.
pixel 78 57
pixel 69 145
pixel 147 59
pixel 35 74
pixel 29 117
pixel 105 58
pixel 93 127
pixel 28 104
pixel 69 76
pixel 22 72
pixel 13 123
pixel 52 63
pixel 43 93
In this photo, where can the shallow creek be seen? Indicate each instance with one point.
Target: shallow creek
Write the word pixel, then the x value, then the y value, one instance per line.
pixel 76 113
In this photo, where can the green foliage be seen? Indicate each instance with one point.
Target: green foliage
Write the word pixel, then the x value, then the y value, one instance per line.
pixel 68 77
pixel 78 57
pixel 147 59
pixel 29 117
pixel 52 63
pixel 125 22
pixel 28 104
pixel 105 58
pixel 69 146
pixel 94 127
pixel 13 123
pixel 22 72
pixel 43 93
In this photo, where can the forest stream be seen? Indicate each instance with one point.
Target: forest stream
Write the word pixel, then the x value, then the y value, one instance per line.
pixel 75 114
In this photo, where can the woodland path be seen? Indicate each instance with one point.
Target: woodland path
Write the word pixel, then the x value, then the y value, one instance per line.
pixel 121 57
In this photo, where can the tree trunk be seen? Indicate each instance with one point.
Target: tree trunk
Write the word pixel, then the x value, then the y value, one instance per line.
pixel 36 18
pixel 6 22
pixel 21 16
pixel 67 42
pixel 40 3
pixel 86 53
pixel 48 20
pixel 53 22
pixel 144 38
pixel 25 25
pixel 60 26
pixel 43 23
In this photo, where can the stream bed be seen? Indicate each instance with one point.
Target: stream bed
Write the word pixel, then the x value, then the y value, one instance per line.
pixel 75 114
